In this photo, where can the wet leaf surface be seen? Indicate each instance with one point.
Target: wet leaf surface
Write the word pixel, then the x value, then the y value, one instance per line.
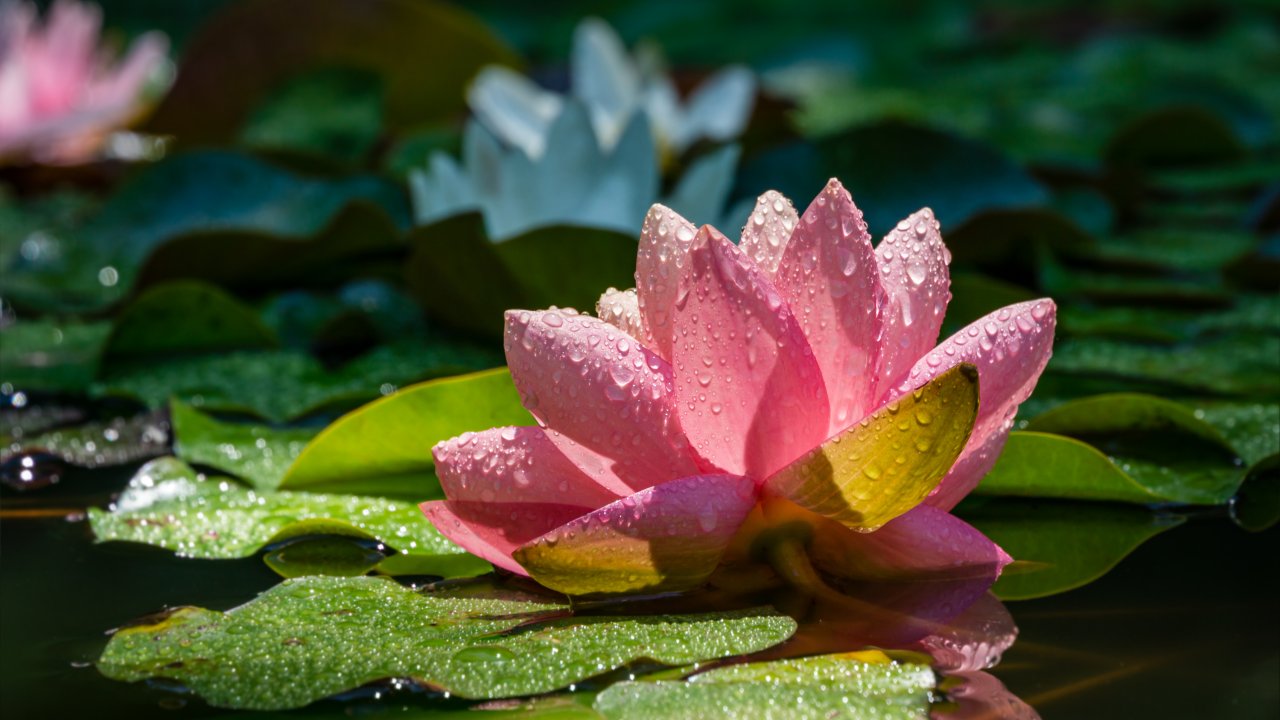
pixel 851 685
pixel 169 505
pixel 310 638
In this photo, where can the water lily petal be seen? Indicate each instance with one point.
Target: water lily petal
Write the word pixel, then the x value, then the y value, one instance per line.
pixel 925 543
pixel 517 464
pixel 765 236
pixel 886 464
pixel 828 276
pixel 1010 348
pixel 493 530
pixel 604 78
pixel 621 309
pixel 913 272
pixel 599 388
pixel 665 240
pixel 719 108
pixel 514 107
pixel 668 537
pixel 750 397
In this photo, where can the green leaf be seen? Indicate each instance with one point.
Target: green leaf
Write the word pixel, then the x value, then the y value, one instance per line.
pixel 51 356
pixel 334 112
pixel 1126 412
pixel 97 444
pixel 1054 466
pixel 257 453
pixel 1059 546
pixel 1256 506
pixel 186 316
pixel 169 505
pixel 1252 427
pixel 1180 248
pixel 465 279
pixel 882 164
pixel 1234 365
pixel 886 464
pixel 311 638
pixel 387 443
pixel 849 685
pixel 336 556
pixel 1178 135
pixel 219 216
pixel 424 54
pixel 286 384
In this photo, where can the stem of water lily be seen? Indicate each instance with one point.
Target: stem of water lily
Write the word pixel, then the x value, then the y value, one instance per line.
pixel 787 554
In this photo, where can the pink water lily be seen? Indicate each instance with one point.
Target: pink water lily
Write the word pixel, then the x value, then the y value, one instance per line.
pixel 777 396
pixel 60 92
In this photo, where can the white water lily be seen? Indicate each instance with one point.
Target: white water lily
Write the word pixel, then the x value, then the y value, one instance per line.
pixel 573 181
pixel 614 85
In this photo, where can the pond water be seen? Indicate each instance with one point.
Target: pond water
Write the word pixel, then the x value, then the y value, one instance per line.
pixel 1185 627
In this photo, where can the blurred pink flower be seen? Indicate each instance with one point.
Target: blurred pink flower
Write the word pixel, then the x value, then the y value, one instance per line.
pixel 60 92
pixel 791 380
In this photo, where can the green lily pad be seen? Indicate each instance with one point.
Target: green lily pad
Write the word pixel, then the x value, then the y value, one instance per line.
pixel 882 165
pixel 331 112
pixel 468 281
pixel 1256 506
pixel 215 215
pixel 310 638
pixel 1181 248
pixel 1059 546
pixel 974 296
pixel 1232 365
pixel 387 443
pixel 186 317
pixel 325 555
pixel 850 685
pixel 169 505
pixel 285 384
pixel 97 444
pixel 51 356
pixel 1176 135
pixel 1252 427
pixel 1037 464
pixel 257 453
pixel 1126 412
pixel 423 53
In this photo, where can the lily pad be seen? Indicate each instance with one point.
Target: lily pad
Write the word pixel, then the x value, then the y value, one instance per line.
pixel 257 453
pixel 186 317
pixel 387 443
pixel 1232 365
pixel 464 279
pixel 882 165
pixel 310 638
pixel 423 53
pixel 1059 546
pixel 850 685
pixel 97 444
pixel 216 215
pixel 285 384
pixel 169 505
pixel 1037 464
pixel 330 112
pixel 50 356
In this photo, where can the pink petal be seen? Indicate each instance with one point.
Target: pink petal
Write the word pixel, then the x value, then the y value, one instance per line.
pixel 828 276
pixel 600 391
pixel 765 236
pixel 493 530
pixel 749 394
pixel 973 640
pixel 913 272
pixel 925 543
pixel 668 537
pixel 621 309
pixel 665 240
pixel 516 464
pixel 1010 348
